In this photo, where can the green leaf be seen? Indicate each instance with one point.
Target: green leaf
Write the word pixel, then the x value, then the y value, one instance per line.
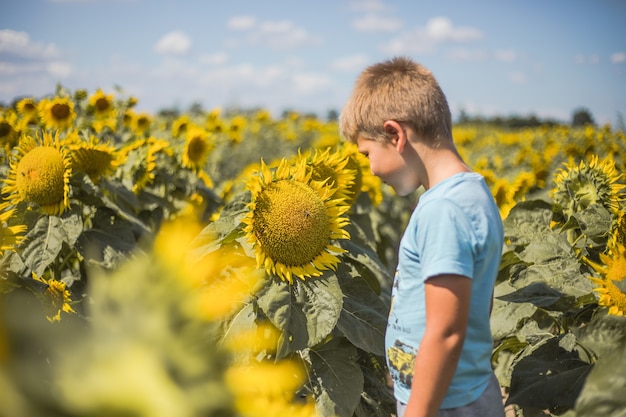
pixel 336 377
pixel 109 240
pixel 550 377
pixel 541 295
pixel 603 392
pixel 305 312
pixel 528 221
pixel 44 242
pixel 603 334
pixel 368 266
pixel 595 222
pixel 363 318
pixel 506 316
pixel 552 262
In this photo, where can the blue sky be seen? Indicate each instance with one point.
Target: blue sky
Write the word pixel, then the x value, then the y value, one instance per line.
pixel 542 57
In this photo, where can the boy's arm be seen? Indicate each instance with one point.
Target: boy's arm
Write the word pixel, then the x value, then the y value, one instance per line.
pixel 447 310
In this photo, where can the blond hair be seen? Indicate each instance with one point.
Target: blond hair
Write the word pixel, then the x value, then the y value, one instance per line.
pixel 397 89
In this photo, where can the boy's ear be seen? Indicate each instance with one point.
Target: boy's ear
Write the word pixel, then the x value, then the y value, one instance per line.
pixel 396 133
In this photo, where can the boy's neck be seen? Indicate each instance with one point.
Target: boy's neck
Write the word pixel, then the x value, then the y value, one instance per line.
pixel 439 164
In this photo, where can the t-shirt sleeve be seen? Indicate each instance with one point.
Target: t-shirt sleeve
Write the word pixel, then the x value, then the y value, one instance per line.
pixel 444 240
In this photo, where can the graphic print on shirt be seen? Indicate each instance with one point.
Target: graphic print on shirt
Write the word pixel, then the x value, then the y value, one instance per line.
pixel 401 363
pixel 400 356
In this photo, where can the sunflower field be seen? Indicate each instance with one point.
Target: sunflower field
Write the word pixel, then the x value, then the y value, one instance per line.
pixel 229 263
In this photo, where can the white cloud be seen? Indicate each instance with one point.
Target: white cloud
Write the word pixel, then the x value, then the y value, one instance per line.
pixel 618 57
pixel 464 54
pixel 368 6
pixel 19 44
pixel 281 35
pixel 242 22
pixel 377 23
pixel 59 69
pixel 506 55
pixel 310 83
pixel 173 43
pixel 438 30
pixel 441 29
pixel 350 63
pixel 517 77
pixel 213 59
pixel 582 59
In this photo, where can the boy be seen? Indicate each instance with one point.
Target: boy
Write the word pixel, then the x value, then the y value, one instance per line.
pixel 438 339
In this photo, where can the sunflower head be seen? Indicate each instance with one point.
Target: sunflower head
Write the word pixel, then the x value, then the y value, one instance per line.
pixel 26 107
pixel 9 131
pixel 10 235
pixel 57 113
pixel 330 169
pixel 94 158
pixel 180 125
pixel 56 298
pixel 40 174
pixel 593 182
pixel 198 146
pixel 611 286
pixel 102 104
pixel 292 221
pixel 364 180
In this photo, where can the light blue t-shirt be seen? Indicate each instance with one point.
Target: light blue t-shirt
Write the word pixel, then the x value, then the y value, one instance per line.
pixel 455 229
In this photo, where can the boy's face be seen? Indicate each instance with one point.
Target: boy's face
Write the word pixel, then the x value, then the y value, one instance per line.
pixel 387 163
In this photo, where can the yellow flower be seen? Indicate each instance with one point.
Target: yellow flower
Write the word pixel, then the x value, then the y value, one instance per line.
pixel 267 389
pixel 57 113
pixel 26 107
pixel 503 193
pixel 94 158
pixel 198 146
pixel 292 221
pixel 332 169
pixel 142 123
pixel 221 280
pixel 180 125
pixel 611 287
pixel 595 182
pixel 364 180
pixel 10 236
pixel 235 130
pixel 102 104
pixel 9 131
pixel 40 174
pixel 57 297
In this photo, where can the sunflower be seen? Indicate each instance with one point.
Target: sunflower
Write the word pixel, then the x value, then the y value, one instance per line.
pixel 596 182
pixel 198 146
pixel 269 389
pixel 617 232
pixel 57 298
pixel 151 148
pixel 26 107
pixel 56 113
pixel 40 174
pixel 141 123
pixel 611 286
pixel 214 122
pixel 236 128
pixel 179 126
pixel 504 195
pixel 10 236
pixel 292 220
pixel 102 104
pixel 364 180
pixel 94 158
pixel 331 169
pixel 9 131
